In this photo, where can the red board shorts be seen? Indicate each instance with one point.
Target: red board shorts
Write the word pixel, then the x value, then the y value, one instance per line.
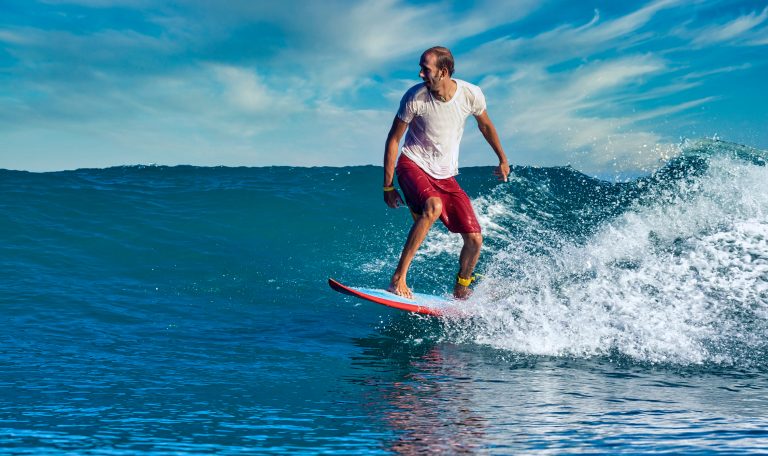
pixel 417 186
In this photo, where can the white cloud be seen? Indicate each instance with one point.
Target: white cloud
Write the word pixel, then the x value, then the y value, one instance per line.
pixel 593 115
pixel 346 45
pixel 671 109
pixel 13 37
pixel 245 90
pixel 565 113
pixel 727 69
pixel 562 43
pixel 761 40
pixel 735 31
pixel 597 78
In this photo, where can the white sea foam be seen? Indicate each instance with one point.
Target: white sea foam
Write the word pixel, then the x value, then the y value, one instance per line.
pixel 681 277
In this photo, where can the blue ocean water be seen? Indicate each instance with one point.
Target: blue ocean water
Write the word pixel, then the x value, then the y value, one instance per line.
pixel 185 310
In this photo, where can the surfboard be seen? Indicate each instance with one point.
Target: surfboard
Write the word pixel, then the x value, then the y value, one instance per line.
pixel 421 303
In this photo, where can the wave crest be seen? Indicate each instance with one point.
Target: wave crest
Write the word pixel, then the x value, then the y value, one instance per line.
pixel 668 268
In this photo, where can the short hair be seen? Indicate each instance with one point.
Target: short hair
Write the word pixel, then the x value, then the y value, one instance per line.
pixel 443 58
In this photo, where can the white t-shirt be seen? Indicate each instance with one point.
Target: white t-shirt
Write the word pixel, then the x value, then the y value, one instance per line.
pixel 435 127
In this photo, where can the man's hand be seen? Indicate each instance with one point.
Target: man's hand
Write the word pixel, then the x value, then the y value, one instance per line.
pixel 393 199
pixel 502 171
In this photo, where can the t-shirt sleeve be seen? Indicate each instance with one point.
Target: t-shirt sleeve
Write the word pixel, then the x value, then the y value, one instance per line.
pixel 407 109
pixel 478 102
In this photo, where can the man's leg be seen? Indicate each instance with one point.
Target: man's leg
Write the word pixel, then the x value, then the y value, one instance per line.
pixel 470 253
pixel 421 225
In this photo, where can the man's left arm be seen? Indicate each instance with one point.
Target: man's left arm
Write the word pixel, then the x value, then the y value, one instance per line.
pixel 489 133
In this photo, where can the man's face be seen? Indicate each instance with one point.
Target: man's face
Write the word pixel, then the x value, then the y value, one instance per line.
pixel 429 72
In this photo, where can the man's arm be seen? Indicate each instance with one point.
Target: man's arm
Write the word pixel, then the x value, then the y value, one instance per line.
pixel 392 197
pixel 489 133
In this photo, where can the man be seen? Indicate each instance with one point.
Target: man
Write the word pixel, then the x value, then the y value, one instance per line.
pixel 434 113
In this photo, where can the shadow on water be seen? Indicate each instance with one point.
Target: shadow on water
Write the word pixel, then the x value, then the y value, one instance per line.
pixel 426 404
pixel 421 388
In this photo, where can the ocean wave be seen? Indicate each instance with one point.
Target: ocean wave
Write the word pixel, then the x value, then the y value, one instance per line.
pixel 668 268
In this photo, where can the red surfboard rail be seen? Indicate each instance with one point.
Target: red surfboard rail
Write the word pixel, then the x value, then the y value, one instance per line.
pixel 394 303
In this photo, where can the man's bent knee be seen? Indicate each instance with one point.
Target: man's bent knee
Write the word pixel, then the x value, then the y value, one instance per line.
pixel 433 208
pixel 473 239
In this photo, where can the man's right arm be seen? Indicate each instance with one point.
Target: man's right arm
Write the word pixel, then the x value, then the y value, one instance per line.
pixel 396 132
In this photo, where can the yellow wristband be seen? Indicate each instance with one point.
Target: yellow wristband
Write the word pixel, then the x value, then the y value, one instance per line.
pixel 389 189
pixel 464 282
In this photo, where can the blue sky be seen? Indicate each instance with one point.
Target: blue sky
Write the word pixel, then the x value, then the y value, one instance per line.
pixel 607 86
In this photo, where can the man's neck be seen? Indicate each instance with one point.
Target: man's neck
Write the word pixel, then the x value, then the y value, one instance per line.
pixel 446 90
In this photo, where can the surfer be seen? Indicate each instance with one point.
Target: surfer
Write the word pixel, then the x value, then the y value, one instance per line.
pixel 434 113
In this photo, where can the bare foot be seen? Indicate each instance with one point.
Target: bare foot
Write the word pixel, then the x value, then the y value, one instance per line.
pixel 461 292
pixel 400 288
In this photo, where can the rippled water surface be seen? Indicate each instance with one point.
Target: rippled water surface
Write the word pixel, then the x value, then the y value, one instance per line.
pixel 154 310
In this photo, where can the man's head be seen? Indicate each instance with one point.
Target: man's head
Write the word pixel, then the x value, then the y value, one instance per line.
pixel 436 65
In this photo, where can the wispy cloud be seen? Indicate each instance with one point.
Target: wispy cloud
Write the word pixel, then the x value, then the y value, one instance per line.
pixel 561 113
pixel 305 82
pixel 563 43
pixel 245 90
pixel 583 91
pixel 736 31
pixel 728 69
